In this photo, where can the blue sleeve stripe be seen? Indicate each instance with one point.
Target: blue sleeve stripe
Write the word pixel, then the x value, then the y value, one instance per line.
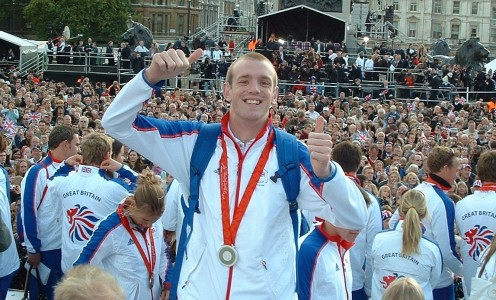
pixel 168 269
pixel 166 129
pixel 29 203
pixel 129 187
pixel 106 227
pixel 307 262
pixel 450 218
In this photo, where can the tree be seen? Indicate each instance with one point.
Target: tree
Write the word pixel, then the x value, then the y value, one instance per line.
pixel 101 20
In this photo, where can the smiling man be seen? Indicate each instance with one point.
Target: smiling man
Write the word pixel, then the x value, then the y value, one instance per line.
pixel 251 215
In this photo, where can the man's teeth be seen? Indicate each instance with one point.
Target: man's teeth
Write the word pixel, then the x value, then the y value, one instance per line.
pixel 253 102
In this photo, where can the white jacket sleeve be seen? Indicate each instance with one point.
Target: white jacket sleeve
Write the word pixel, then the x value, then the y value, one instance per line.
pixel 438 267
pixel 374 226
pixel 443 236
pixel 167 144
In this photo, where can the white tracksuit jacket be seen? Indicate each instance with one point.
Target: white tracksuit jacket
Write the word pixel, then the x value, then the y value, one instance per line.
pixel 476 221
pixel 439 227
pixel 41 225
pixel 86 197
pixel 112 248
pixel 360 252
pixel 9 259
pixel 324 270
pixel 388 263
pixel 264 241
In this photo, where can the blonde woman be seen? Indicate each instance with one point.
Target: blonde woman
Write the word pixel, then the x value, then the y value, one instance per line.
pixel 411 180
pixel 385 195
pixel 461 189
pixel 404 288
pixel 403 252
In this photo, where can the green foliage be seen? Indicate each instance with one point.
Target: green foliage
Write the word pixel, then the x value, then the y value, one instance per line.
pixel 101 20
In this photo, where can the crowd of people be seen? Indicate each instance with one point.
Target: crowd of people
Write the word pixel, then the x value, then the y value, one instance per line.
pixel 418 159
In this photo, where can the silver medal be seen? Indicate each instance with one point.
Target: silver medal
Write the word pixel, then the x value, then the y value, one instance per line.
pixel 228 256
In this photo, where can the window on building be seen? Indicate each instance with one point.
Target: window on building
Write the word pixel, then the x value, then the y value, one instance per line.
pixel 180 3
pixel 494 13
pixel 166 24
pixel 159 23
pixel 438 7
pixel 412 29
pixel 474 29
pixel 456 7
pixel 437 31
pixel 475 8
pixel 493 35
pixel 180 25
pixel 159 2
pixel 396 4
pixel 455 31
pixel 413 5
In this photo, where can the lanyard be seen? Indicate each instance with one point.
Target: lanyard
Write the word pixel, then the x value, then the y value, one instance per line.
pixel 229 229
pixel 488 186
pixel 150 265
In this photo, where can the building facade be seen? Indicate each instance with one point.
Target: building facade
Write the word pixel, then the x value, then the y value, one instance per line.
pixel 425 21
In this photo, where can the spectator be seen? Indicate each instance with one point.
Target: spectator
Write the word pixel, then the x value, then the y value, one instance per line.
pixel 125 54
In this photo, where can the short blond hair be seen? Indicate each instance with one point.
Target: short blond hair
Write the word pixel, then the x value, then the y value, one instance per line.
pixel 404 288
pixel 253 56
pixel 88 282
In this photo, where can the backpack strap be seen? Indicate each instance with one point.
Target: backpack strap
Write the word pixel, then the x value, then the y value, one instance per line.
pixel 202 152
pixel 289 172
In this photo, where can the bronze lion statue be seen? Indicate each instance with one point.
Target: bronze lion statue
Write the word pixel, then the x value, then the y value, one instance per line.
pixel 471 54
pixel 440 47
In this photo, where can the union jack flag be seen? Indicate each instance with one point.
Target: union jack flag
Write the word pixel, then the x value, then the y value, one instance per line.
pixel 363 137
pixel 409 107
pixel 368 97
pixel 9 128
pixel 34 117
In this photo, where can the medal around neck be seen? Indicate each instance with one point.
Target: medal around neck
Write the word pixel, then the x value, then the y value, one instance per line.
pixel 228 256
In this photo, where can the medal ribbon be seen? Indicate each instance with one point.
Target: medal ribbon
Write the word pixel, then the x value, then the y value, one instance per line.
pixel 150 265
pixel 229 229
